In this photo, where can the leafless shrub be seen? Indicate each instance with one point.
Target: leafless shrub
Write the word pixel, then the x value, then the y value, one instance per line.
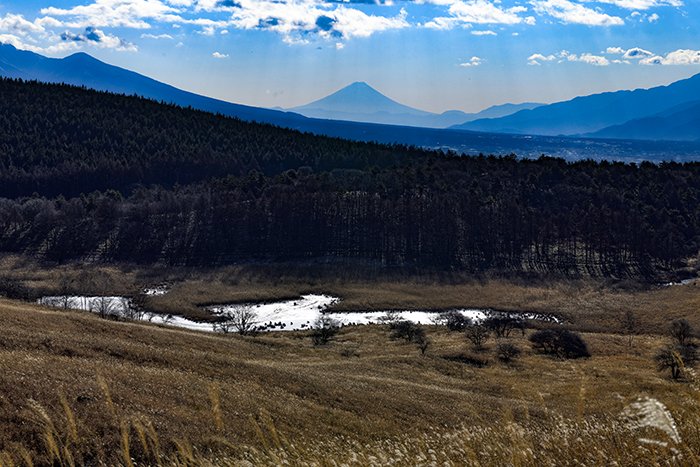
pixel 507 352
pixel 242 319
pixel 681 331
pixel 325 328
pixel 477 335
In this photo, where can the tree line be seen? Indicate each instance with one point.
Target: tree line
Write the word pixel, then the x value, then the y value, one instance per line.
pixel 91 175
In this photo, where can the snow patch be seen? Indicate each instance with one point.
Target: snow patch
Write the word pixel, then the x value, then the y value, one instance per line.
pixel 289 315
pixel 157 291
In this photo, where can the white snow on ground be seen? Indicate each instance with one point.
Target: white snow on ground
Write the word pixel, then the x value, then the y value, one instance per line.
pixel 157 291
pixel 115 305
pixel 683 282
pixel 288 315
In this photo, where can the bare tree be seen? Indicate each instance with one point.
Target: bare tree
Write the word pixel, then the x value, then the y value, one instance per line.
pixel 241 319
pixel 477 335
pixel 65 301
pixel 454 321
pixel 65 286
pixel 103 306
pixel 390 317
pixel 503 325
pixel 630 325
pixel 130 310
pixel 681 331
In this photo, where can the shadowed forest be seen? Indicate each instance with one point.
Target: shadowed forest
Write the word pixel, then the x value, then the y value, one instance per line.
pixel 86 175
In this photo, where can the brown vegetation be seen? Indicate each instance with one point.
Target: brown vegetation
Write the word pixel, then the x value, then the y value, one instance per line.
pixel 75 387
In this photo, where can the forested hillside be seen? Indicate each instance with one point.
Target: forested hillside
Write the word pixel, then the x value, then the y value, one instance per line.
pixel 89 175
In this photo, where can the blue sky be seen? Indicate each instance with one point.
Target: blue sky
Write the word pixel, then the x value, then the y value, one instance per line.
pixel 432 54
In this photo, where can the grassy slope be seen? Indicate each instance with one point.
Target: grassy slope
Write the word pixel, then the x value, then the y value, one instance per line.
pixel 227 398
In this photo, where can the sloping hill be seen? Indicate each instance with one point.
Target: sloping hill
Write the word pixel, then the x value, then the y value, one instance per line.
pixel 592 113
pixel 81 69
pixel 80 390
pixel 681 123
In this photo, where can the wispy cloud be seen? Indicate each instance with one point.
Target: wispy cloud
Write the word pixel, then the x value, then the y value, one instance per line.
pixel 626 56
pixel 566 56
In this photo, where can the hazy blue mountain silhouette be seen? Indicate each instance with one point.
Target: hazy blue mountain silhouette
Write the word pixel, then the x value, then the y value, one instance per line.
pixel 81 69
pixel 680 123
pixel 359 102
pixel 84 70
pixel 592 113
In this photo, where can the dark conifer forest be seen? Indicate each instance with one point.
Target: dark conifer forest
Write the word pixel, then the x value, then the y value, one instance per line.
pixel 93 176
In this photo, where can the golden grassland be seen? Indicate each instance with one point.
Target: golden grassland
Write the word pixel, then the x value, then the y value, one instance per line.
pixel 586 304
pixel 75 389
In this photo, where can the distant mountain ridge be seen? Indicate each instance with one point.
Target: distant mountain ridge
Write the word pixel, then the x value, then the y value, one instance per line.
pixel 680 123
pixel 590 114
pixel 359 102
pixel 81 69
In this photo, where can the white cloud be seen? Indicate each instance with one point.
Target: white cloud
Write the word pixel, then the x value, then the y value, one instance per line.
pixel 464 13
pixel 219 55
pixel 636 52
pixel 574 13
pixel 566 56
pixel 472 62
pixel 484 33
pixel 591 59
pixel 305 21
pixel 18 26
pixel 678 57
pixel 627 56
pixel 98 38
pixel 640 4
pixel 615 51
pixel 537 59
pixel 295 20
pixel 116 13
pixel 157 36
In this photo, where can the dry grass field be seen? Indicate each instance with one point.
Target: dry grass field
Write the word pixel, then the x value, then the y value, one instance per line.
pixel 75 389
